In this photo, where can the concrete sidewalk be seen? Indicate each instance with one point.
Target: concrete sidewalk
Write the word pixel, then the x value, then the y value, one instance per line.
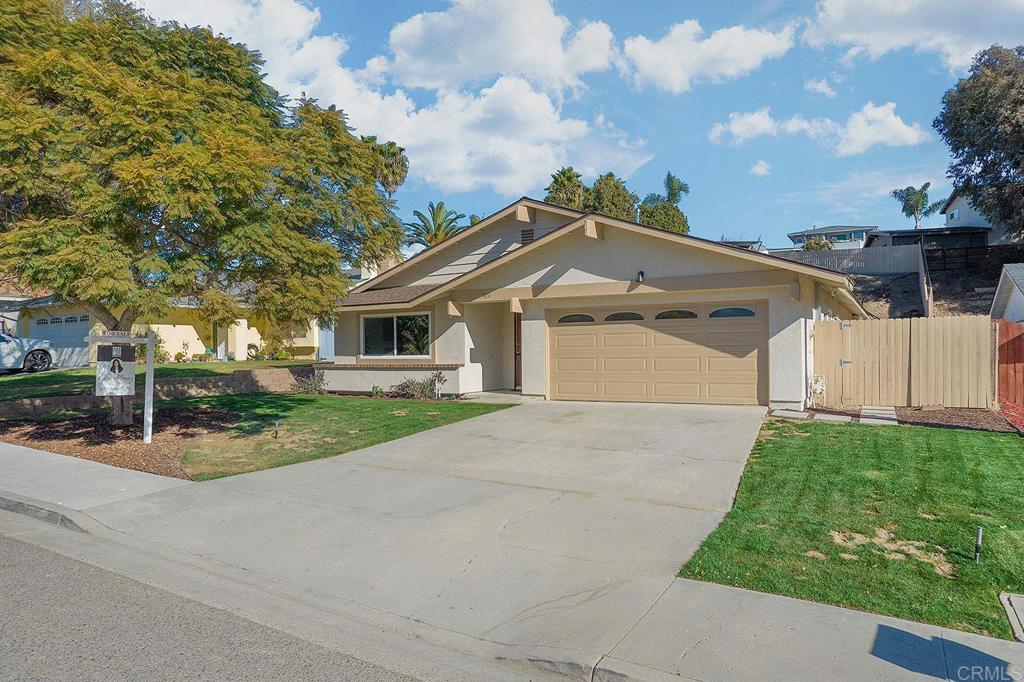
pixel 53 487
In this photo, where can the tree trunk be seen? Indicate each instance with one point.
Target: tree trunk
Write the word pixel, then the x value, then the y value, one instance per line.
pixel 123 410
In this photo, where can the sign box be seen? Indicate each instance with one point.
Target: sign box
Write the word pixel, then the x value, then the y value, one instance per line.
pixel 115 369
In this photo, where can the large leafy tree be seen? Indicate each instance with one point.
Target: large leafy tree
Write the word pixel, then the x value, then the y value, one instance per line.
pixel 914 203
pixel 141 162
pixel 982 123
pixel 567 189
pixel 662 210
pixel 434 226
pixel 817 243
pixel 610 196
pixel 390 164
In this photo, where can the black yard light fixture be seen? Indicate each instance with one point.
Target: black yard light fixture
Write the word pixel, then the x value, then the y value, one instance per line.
pixel 640 277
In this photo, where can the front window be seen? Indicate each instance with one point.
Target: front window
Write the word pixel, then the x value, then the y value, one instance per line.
pixel 397 336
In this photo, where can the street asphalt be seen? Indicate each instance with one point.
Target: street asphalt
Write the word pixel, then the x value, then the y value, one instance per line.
pixel 67 620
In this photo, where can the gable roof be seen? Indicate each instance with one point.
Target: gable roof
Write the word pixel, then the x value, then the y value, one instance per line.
pixel 375 282
pixel 1011 277
pixel 414 297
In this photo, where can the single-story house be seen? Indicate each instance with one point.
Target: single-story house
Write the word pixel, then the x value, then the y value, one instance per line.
pixel 1008 302
pixel 570 305
pixel 182 329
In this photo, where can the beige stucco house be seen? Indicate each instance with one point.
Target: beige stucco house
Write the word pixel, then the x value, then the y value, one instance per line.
pixel 181 329
pixel 575 306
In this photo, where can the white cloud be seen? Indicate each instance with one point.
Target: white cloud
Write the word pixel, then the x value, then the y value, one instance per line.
pixel 819 86
pixel 682 57
pixel 508 136
pixel 871 125
pixel 877 125
pixel 954 29
pixel 474 40
pixel 761 168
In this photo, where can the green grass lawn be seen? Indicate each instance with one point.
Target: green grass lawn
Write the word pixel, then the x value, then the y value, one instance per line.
pixel 309 427
pixel 880 519
pixel 83 380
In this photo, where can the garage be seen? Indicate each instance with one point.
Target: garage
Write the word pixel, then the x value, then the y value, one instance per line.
pixel 67 332
pixel 712 353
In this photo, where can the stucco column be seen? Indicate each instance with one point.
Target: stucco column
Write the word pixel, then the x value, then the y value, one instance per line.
pixel 238 339
pixel 535 349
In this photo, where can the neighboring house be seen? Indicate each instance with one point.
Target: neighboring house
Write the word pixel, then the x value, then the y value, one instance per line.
pixel 932 237
pixel 10 296
pixel 580 306
pixel 182 329
pixel 841 236
pixel 961 214
pixel 1008 302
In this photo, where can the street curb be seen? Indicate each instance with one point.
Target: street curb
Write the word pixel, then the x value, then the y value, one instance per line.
pixel 1010 603
pixel 44 511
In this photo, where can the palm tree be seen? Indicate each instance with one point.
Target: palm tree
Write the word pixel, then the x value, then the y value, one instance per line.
pixel 567 189
pixel 674 191
pixel 914 203
pixel 391 165
pixel 431 229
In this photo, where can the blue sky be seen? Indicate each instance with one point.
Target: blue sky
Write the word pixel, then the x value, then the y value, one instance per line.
pixel 780 115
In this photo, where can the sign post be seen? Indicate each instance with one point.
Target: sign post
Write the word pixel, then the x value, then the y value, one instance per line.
pixel 115 370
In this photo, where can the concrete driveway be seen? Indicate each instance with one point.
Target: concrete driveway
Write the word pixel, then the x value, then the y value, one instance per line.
pixel 547 528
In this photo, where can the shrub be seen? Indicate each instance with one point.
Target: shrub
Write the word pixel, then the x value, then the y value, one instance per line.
pixel 418 389
pixel 314 384
pixel 377 392
pixel 180 356
pixel 282 354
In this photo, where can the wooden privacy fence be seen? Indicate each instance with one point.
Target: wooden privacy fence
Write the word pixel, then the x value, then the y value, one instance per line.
pixel 911 362
pixel 1011 361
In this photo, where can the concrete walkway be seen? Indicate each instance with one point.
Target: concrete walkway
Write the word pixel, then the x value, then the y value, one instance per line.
pixel 548 535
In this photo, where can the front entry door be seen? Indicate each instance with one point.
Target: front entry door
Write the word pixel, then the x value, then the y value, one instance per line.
pixel 517 323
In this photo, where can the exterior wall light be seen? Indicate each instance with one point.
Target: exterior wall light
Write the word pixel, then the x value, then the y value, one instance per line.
pixel 640 277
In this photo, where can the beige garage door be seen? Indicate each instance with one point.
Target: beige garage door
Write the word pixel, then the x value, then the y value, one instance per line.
pixel 707 353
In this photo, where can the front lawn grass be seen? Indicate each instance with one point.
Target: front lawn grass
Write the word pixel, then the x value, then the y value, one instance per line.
pixel 308 427
pixel 880 519
pixel 83 379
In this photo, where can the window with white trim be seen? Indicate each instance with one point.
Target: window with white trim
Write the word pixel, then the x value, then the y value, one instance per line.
pixel 405 336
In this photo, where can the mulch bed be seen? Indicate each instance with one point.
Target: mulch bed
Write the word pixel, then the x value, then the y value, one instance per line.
pixel 955 418
pixel 1014 414
pixel 92 437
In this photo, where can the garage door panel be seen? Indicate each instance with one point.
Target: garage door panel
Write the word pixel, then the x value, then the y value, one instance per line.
pixel 688 337
pixel 673 391
pixel 677 364
pixel 620 390
pixel 727 364
pixel 580 389
pixel 563 364
pixel 695 360
pixel 586 340
pixel 637 339
pixel 633 364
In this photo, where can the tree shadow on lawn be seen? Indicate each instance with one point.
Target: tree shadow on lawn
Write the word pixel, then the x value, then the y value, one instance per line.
pixel 94 429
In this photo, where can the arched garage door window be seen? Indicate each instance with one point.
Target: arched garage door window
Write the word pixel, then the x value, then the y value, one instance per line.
pixel 732 312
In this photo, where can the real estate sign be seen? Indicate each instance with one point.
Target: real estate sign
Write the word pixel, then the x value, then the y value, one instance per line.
pixel 115 369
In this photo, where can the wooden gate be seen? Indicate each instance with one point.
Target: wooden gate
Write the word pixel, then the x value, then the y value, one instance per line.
pixel 1011 362
pixel 912 362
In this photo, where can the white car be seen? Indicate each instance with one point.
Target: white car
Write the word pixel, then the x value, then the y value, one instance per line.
pixel 32 355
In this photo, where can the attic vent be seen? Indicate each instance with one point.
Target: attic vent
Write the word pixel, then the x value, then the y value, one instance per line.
pixel 526 236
